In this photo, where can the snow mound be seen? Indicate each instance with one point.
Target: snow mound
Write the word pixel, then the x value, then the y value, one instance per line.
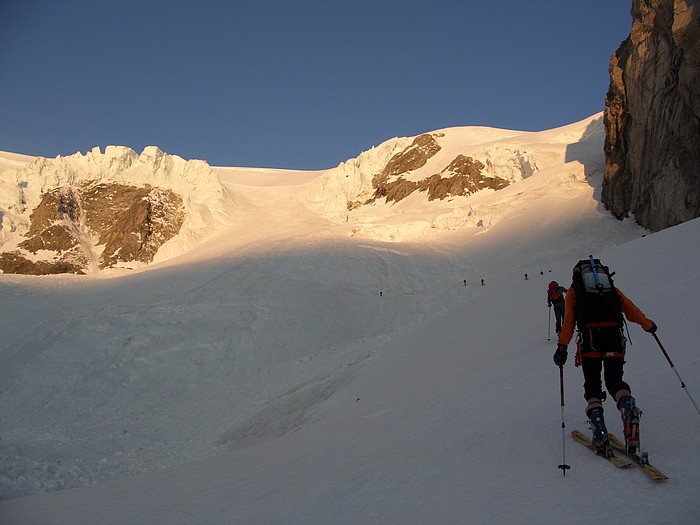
pixel 569 156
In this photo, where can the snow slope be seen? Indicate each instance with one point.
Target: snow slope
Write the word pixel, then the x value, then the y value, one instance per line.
pixel 263 378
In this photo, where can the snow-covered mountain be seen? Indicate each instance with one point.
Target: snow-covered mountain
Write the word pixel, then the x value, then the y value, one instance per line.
pixel 411 188
pixel 314 362
pixel 85 213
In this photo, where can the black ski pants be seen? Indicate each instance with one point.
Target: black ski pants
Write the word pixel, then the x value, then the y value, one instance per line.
pixel 593 343
pixel 558 314
pixel 613 370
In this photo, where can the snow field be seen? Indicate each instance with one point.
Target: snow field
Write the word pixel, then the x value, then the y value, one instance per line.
pixel 262 378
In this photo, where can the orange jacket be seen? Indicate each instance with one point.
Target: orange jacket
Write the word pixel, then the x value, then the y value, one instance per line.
pixel 632 313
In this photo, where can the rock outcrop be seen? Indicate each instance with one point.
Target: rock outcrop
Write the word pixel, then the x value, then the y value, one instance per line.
pixel 652 117
pixel 461 177
pixel 84 213
pixel 128 223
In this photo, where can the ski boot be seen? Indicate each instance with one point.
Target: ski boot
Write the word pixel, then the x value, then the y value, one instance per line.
pixel 630 420
pixel 600 432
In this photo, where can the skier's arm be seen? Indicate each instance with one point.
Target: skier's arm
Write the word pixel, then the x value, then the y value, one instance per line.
pixel 634 314
pixel 567 329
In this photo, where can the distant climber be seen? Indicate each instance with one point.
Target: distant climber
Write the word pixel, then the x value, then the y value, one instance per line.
pixel 555 297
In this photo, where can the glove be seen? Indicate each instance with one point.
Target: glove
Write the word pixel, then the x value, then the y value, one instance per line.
pixel 652 328
pixel 560 355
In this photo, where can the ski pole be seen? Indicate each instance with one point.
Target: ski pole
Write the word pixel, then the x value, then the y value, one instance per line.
pixel 564 467
pixel 549 322
pixel 676 371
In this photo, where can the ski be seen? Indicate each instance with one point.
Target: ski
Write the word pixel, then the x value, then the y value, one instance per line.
pixel 642 461
pixel 579 437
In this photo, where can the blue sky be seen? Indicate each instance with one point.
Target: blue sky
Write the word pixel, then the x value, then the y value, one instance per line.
pixel 295 84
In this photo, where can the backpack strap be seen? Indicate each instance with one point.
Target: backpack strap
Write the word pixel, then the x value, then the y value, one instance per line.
pixel 580 355
pixel 602 355
pixel 601 324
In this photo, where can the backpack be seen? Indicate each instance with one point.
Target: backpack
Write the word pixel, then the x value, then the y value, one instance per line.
pixel 597 301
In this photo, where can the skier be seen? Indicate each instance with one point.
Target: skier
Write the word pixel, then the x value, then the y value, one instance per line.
pixel 601 348
pixel 555 296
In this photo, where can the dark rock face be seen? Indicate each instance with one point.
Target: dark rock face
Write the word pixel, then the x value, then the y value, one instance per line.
pixel 132 222
pixel 461 177
pixel 652 117
pixel 74 229
pixel 13 262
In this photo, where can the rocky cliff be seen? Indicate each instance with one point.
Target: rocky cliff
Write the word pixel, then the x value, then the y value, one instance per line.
pixel 84 213
pixel 444 164
pixel 461 177
pixel 128 223
pixel 652 117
